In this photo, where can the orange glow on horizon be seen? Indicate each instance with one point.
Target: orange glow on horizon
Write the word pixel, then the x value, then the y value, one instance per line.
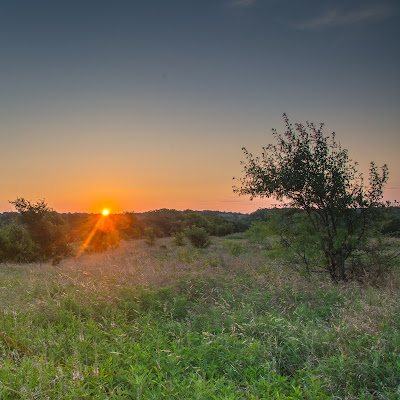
pixel 104 223
pixel 106 204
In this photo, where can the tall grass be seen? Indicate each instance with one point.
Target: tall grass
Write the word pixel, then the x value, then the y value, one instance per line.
pixel 172 322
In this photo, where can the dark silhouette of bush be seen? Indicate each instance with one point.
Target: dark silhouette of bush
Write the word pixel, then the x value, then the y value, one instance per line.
pixel 164 222
pixel 16 245
pixel 45 227
pixel 129 225
pixel 391 226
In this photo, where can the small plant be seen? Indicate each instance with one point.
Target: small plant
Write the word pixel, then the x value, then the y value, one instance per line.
pixel 188 255
pixel 235 248
pixel 150 237
pixel 213 262
pixel 179 239
pixel 259 233
pixel 198 237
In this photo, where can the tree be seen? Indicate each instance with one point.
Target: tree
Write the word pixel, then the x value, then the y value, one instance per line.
pixel 310 172
pixel 46 228
pixel 193 218
pixel 164 222
pixel 16 245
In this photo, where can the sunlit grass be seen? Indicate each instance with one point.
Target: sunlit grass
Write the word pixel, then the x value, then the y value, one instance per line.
pixel 177 322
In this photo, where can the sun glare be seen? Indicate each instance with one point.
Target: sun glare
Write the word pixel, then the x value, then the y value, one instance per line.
pixel 105 212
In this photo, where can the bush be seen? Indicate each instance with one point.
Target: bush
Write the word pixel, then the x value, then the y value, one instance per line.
pixel 259 233
pixel 104 240
pixel 235 248
pixel 46 228
pixel 16 245
pixel 198 237
pixel 150 237
pixel 392 225
pixel 179 239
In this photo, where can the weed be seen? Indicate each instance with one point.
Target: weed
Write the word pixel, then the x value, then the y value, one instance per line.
pixel 234 247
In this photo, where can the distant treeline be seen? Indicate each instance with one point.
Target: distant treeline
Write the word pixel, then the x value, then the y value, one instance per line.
pixel 35 232
pixel 164 222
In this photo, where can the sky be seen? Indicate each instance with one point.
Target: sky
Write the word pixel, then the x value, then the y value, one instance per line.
pixel 140 105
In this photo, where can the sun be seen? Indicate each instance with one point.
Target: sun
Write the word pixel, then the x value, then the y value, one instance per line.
pixel 105 212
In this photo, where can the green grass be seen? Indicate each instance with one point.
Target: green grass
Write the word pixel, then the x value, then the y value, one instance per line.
pixel 173 322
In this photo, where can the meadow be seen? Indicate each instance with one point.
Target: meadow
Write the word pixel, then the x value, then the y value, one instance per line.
pixel 175 322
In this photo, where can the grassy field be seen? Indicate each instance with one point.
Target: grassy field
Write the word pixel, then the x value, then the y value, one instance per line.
pixel 173 322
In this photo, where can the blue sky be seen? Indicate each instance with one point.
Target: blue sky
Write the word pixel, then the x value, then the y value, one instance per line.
pixel 147 104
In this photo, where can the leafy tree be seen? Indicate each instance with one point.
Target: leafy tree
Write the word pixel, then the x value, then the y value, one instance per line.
pixel 164 222
pixel 16 245
pixel 311 172
pixel 218 225
pixel 46 228
pixel 193 218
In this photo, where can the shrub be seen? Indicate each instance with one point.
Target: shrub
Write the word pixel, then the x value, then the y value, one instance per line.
pixel 150 237
pixel 179 239
pixel 235 248
pixel 16 245
pixel 259 233
pixel 104 240
pixel 391 226
pixel 198 237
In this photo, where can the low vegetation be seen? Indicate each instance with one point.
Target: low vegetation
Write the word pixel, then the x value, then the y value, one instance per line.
pixel 198 237
pixel 176 322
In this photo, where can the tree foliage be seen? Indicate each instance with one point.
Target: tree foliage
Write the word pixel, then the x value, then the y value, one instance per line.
pixel 308 171
pixel 45 228
pixel 16 245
